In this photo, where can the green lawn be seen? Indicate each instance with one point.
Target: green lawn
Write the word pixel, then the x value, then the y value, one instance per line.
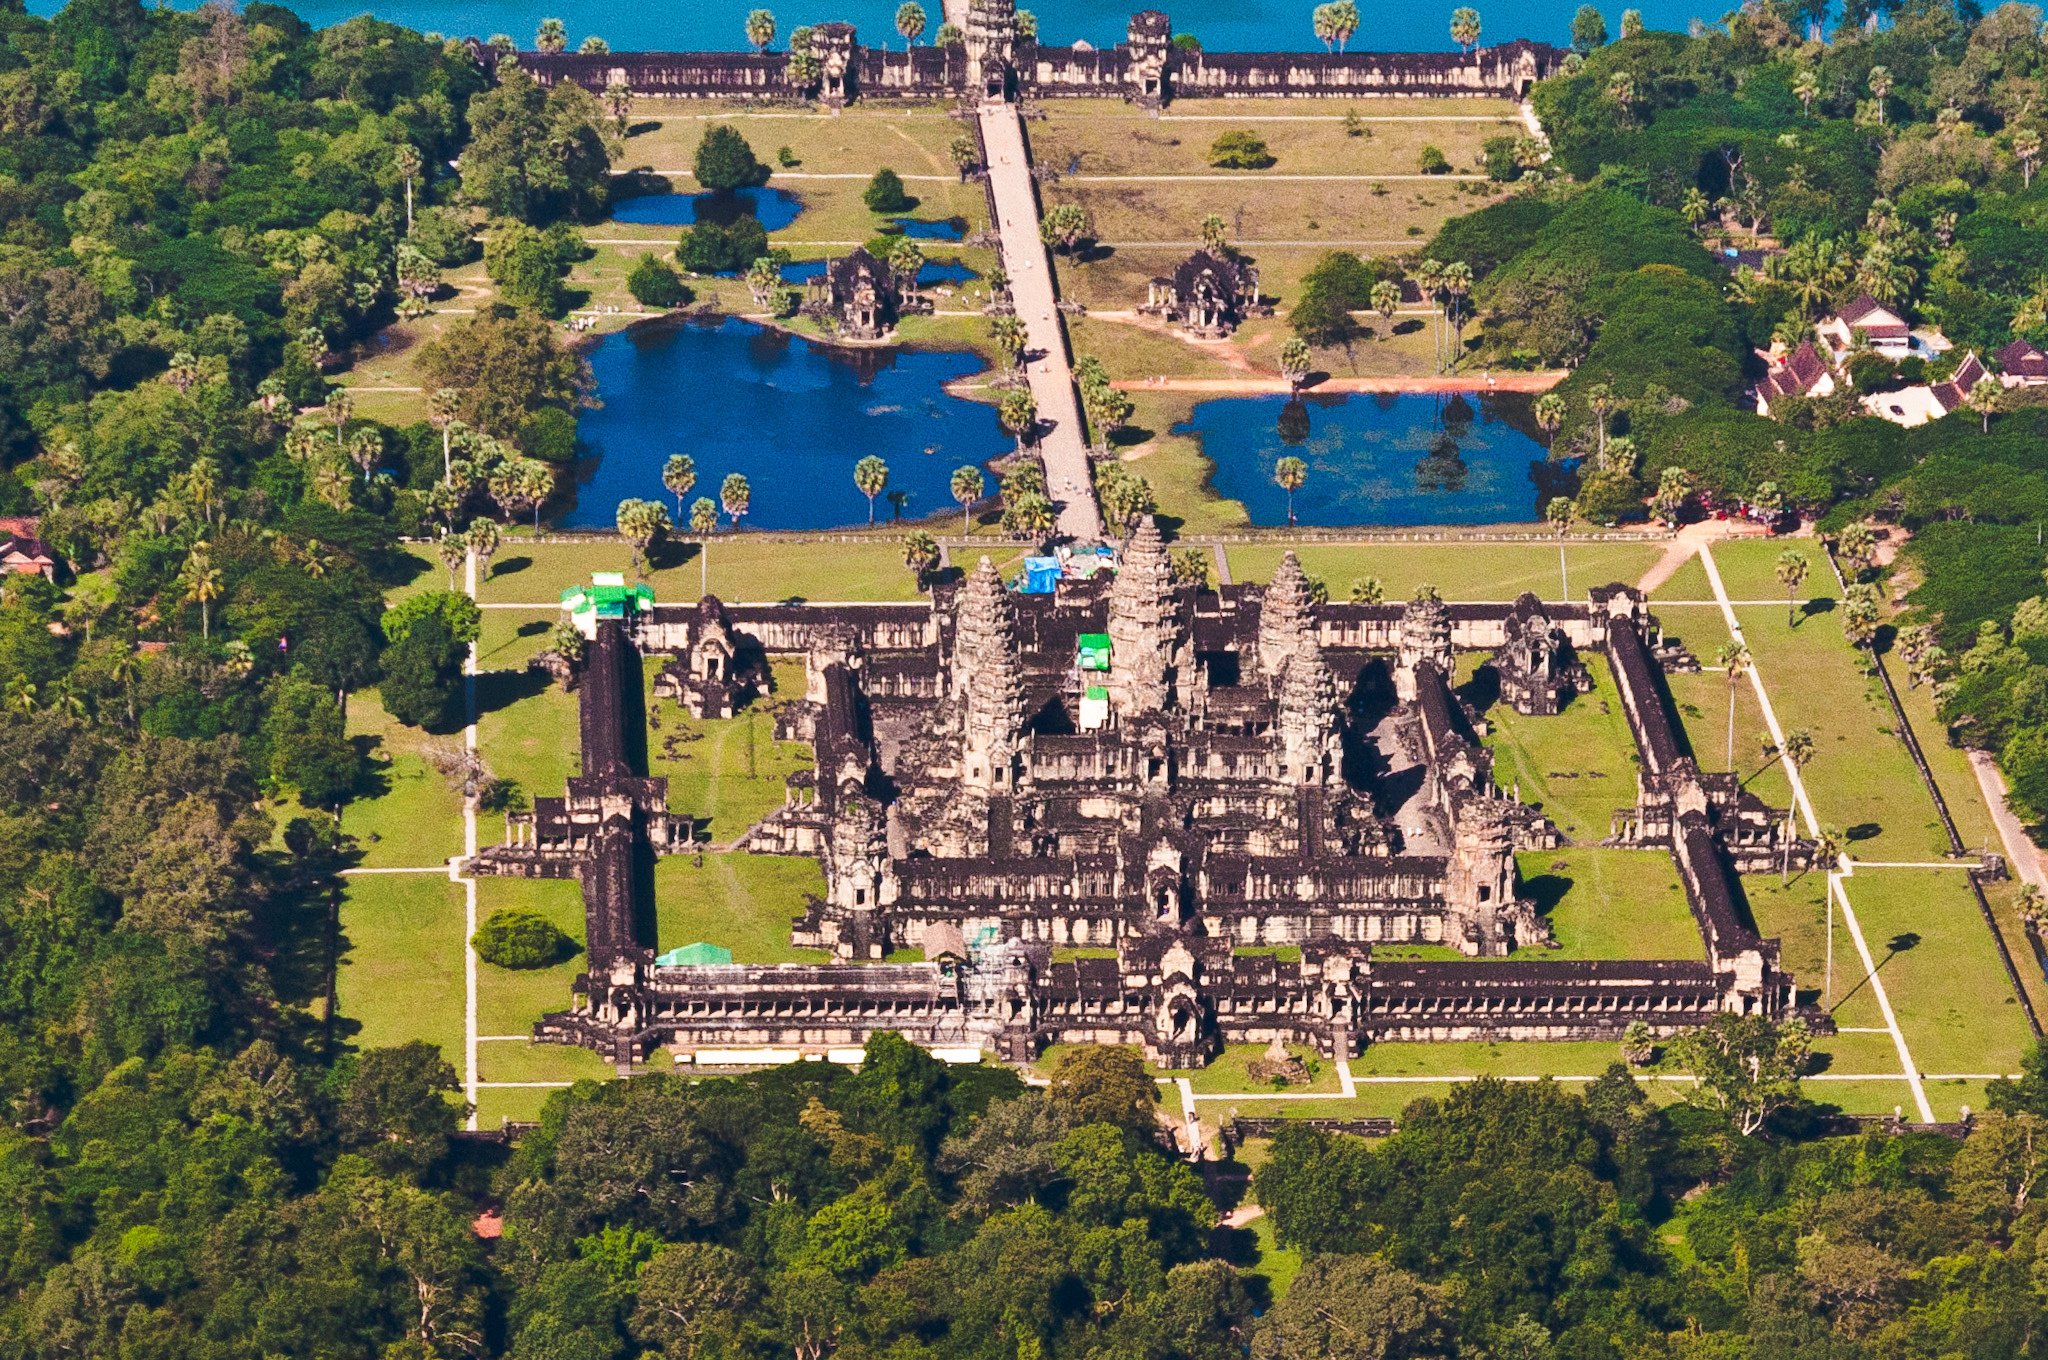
pixel 1610 904
pixel 1795 914
pixel 743 566
pixel 1748 569
pixel 510 1000
pixel 730 770
pixel 1231 1072
pixel 1275 1264
pixel 402 962
pixel 744 902
pixel 1461 571
pixel 1578 766
pixel 528 733
pixel 408 816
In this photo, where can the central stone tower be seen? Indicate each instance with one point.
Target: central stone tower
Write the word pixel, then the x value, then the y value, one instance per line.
pixel 1144 627
pixel 991 40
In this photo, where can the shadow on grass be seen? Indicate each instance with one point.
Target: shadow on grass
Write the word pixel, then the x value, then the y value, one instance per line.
pixel 497 690
pixel 1897 945
pixel 509 565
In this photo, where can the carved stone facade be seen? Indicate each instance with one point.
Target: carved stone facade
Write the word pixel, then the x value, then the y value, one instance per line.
pixel 863 295
pixel 995 62
pixel 1209 294
pixel 1229 832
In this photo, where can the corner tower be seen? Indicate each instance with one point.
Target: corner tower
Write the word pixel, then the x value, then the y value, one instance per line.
pixel 988 681
pixel 1144 627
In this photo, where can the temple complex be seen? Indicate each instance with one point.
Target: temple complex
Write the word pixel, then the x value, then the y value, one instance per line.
pixel 994 60
pixel 863 296
pixel 1209 294
pixel 1135 812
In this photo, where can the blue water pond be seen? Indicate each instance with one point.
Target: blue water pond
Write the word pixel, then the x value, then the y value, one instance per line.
pixel 776 208
pixel 931 275
pixel 946 229
pixel 1384 459
pixel 792 415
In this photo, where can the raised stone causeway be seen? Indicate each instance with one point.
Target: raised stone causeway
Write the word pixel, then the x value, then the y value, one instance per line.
pixel 1131 812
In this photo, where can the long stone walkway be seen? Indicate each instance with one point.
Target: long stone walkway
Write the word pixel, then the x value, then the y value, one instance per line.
pixel 1063 441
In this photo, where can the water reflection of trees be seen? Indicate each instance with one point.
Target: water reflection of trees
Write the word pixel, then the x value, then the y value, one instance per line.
pixel 1553 480
pixel 1442 469
pixel 1294 426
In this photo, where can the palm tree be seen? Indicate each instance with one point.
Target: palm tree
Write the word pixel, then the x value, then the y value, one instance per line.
pixel 1386 300
pixel 1009 335
pixel 1550 410
pixel 1985 398
pixel 640 524
pixel 910 20
pixel 618 104
pixel 1559 512
pixel 761 29
pixel 1674 488
pixel 968 487
pixel 1856 545
pixel 593 46
pixel 340 408
pixel 1215 233
pixel 442 407
pixel 1883 274
pixel 1791 573
pixel 454 551
pixel 921 555
pixel 552 36
pixel 1296 361
pixel 1343 21
pixel 1733 658
pixel 1621 88
pixel 201 580
pixel 1880 86
pixel 408 162
pixel 679 475
pixel 1465 27
pixel 870 475
pixel 1457 281
pixel 1797 751
pixel 1600 401
pixel 365 447
pixel 484 538
pixel 1368 590
pixel 1429 277
pixel 2026 145
pixel 704 523
pixel 1018 412
pixel 1806 88
pixel 531 485
pixel 1696 207
pixel 1291 473
pixel 1323 20
pixel 737 496
pixel 21 694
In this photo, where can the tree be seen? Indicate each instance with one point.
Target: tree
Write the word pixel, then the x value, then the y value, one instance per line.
pixel 1099 1084
pixel 736 496
pixel 1985 397
pixel 1559 512
pixel 1631 24
pixel 1457 285
pixel 968 486
pixel 1856 548
pixel 1368 590
pixel 885 194
pixel 394 1107
pixel 1806 88
pixel 483 541
pixel 653 283
pixel 1880 83
pixel 1107 410
pixel 1355 1308
pixel 725 162
pixel 1733 659
pixel 1065 226
pixel 704 523
pixel 519 939
pixel 2026 146
pixel 761 29
pixel 552 36
pixel 1030 514
pixel 1291 474
pixel 453 550
pixel 1238 149
pixel 202 582
pixel 1343 21
pixel 966 155
pixel 422 682
pixel 679 476
pixel 503 369
pixel 1008 333
pixel 1589 30
pixel 1674 490
pixel 408 162
pixel 642 524
pixel 910 21
pixel 1017 410
pixel 921 555
pixel 870 475
pixel 1386 300
pixel 1465 27
pixel 1790 569
pixel 695 1299
pixel 1746 1067
pixel 1215 234
pixel 1297 361
pixel 535 155
pixel 1798 752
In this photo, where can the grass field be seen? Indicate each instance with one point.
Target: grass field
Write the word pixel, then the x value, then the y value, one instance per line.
pixel 1461 571
pixel 730 771
pixel 743 902
pixel 401 952
pixel 742 566
pixel 407 815
pixel 1610 904
pixel 1578 766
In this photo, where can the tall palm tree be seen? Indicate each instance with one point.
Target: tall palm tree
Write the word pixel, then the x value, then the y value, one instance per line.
pixel 1696 207
pixel 2026 145
pixel 1465 27
pixel 1733 658
pixel 1549 413
pixel 1798 751
pixel 1386 300
pixel 1343 21
pixel 1429 277
pixel 1790 570
pixel 442 408
pixel 910 21
pixel 870 475
pixel 968 487
pixel 1324 21
pixel 408 162
pixel 1600 401
pixel 704 523
pixel 202 584
pixel 1880 81
pixel 453 550
pixel 737 496
pixel 1018 412
pixel 1457 280
pixel 761 29
pixel 679 475
pixel 1296 361
pixel 484 538
pixel 1806 89
pixel 551 36
pixel 1560 512
pixel 1009 334
pixel 1291 473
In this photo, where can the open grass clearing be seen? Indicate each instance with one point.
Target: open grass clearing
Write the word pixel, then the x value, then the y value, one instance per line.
pixel 1609 904
pixel 730 771
pixel 1270 210
pixel 406 814
pixel 910 138
pixel 1475 570
pixel 1579 766
pixel 401 952
pixel 1794 913
pixel 512 1000
pixel 742 566
pixel 1231 1072
pixel 743 902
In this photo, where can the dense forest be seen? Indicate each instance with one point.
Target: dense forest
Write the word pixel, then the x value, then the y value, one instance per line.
pixel 203 214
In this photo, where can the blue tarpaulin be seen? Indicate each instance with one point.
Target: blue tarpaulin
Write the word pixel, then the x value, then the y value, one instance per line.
pixel 1041 576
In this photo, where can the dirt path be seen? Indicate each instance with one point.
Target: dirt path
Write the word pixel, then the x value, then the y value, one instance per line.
pixel 1686 546
pixel 1454 382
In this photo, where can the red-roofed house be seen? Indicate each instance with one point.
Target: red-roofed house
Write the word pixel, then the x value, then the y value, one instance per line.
pixel 1912 406
pixel 1869 320
pixel 1802 373
pixel 2022 365
pixel 21 552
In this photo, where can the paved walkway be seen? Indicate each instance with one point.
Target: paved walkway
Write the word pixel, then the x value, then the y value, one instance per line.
pixel 1063 443
pixel 2020 852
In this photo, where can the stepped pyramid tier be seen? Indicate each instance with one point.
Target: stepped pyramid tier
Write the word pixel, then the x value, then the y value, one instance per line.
pixel 988 680
pixel 1286 617
pixel 1145 632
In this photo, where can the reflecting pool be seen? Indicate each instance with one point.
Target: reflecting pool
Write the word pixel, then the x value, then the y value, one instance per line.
pixel 776 208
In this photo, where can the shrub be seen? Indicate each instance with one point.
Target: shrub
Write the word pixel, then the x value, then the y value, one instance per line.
pixel 519 939
pixel 725 162
pixel 885 192
pixel 1240 150
pixel 654 284
pixel 711 248
pixel 786 158
pixel 1501 164
pixel 549 434
pixel 443 237
pixel 1433 162
pixel 1873 373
